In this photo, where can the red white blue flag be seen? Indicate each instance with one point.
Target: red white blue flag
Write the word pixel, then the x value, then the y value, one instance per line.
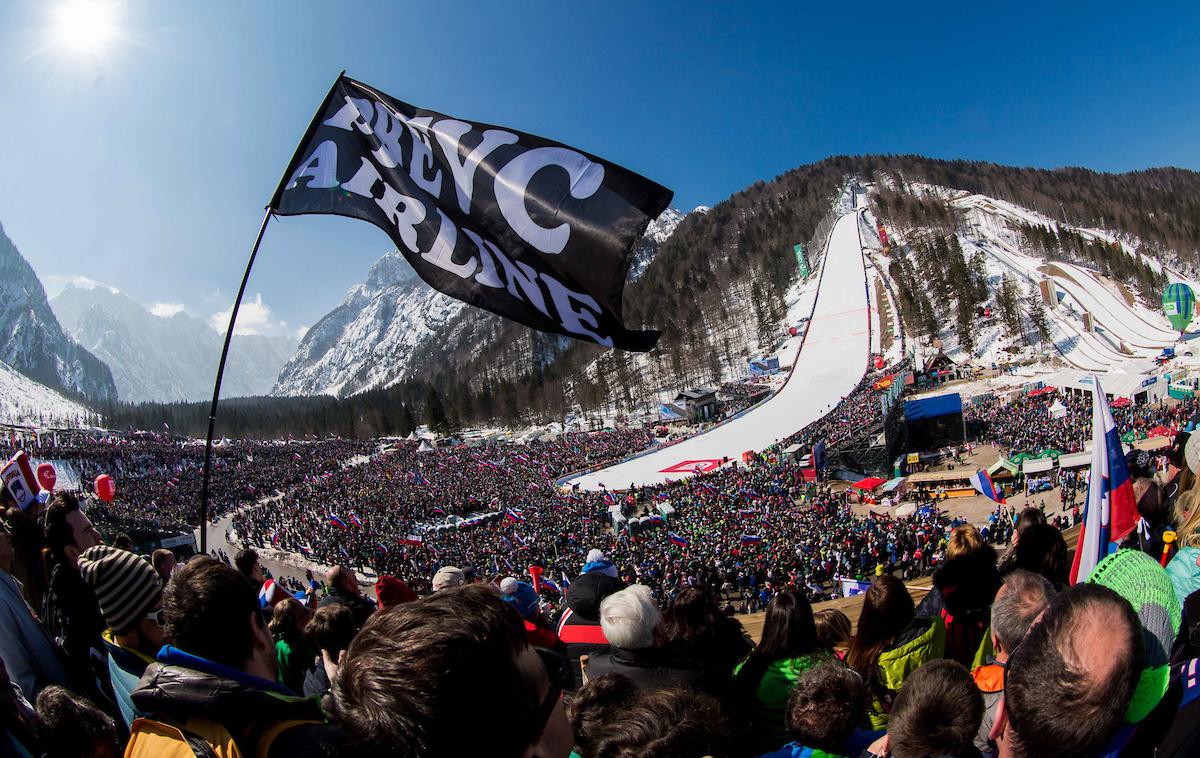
pixel 1110 511
pixel 984 486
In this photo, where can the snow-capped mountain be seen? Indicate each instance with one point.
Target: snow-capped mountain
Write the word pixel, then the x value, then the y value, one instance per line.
pixel 34 342
pixel 24 402
pixel 367 341
pixel 166 359
pixel 387 327
pixel 659 230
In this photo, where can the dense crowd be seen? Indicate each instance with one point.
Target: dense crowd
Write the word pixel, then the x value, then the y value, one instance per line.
pixel 590 623
pixel 1002 656
pixel 1025 424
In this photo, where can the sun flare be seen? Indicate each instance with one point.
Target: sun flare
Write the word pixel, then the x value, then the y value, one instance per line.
pixel 84 26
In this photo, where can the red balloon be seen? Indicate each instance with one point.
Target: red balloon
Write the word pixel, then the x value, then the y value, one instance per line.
pixel 106 488
pixel 47 476
pixel 878 362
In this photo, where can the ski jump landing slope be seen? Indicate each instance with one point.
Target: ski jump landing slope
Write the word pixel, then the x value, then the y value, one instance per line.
pixel 831 363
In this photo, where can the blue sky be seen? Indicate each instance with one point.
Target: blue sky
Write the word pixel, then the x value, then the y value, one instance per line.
pixel 146 164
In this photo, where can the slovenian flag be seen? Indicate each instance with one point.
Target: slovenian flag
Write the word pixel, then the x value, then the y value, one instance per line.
pixel 675 539
pixel 514 515
pixel 354 519
pixel 520 541
pixel 1110 511
pixel 984 486
pixel 335 521
pixel 419 479
pixel 610 498
pixel 551 585
pixel 412 539
pixel 275 538
pixel 750 539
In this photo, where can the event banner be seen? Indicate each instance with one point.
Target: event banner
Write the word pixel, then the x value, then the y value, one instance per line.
pixel 524 227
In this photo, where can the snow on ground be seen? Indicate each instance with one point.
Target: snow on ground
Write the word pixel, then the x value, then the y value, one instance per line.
pixel 1122 333
pixel 24 402
pixel 833 360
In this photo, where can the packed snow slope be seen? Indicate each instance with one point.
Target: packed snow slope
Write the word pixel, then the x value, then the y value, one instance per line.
pixel 831 362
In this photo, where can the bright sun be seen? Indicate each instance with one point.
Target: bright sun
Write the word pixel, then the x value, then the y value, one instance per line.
pixel 84 26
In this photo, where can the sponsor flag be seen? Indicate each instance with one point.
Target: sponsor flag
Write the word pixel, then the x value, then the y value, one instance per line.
pixel 984 486
pixel 851 587
pixel 335 521
pixel 527 228
pixel 1110 511
pixel 676 539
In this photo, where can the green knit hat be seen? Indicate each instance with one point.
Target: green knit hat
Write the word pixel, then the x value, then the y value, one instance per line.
pixel 1139 579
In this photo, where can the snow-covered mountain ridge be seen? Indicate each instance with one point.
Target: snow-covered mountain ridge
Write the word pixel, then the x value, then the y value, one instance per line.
pixel 34 342
pixel 169 359
pixel 386 327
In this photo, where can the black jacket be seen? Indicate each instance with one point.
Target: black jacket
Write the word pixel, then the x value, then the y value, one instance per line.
pixel 244 705
pixel 650 669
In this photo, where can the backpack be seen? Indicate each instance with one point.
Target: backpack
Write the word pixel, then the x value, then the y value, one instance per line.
pixel 199 738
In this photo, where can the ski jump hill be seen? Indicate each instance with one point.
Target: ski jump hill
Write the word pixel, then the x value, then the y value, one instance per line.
pixel 832 360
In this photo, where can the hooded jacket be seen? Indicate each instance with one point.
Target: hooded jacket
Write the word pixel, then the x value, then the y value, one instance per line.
pixel 964 589
pixel 579 625
pixel 188 692
pixel 923 641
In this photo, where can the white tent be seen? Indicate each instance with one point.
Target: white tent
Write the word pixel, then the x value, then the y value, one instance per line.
pixel 425 447
pixel 1058 410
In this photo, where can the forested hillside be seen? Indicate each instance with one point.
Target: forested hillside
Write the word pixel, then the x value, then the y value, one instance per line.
pixel 716 289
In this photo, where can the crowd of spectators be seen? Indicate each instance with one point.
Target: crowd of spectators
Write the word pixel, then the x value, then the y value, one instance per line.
pixel 1002 656
pixel 1025 423
pixel 512 616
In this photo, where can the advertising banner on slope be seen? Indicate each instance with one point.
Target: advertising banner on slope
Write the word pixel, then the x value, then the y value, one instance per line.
pixel 802 261
pixel 530 229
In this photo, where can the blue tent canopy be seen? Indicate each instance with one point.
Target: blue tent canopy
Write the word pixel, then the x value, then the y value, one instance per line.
pixel 932 407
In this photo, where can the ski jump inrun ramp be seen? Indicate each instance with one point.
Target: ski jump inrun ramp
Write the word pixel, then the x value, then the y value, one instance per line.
pixel 831 362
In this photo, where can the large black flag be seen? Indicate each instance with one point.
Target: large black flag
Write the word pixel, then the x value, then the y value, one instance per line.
pixel 533 230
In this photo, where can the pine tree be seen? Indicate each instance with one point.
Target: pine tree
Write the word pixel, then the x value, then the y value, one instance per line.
pixel 1037 316
pixel 435 412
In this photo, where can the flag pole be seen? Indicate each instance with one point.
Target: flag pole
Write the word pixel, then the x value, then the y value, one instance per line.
pixel 212 413
pixel 237 303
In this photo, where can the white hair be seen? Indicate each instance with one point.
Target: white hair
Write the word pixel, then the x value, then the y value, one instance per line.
pixel 629 617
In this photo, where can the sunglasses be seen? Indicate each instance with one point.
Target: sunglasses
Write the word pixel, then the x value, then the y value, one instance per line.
pixel 157 617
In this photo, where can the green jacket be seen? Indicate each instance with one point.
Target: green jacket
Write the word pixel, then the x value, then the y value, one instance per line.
pixel 923 641
pixel 769 717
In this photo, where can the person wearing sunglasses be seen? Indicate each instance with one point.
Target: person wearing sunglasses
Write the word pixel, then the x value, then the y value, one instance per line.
pixel 129 592
pixel 452 674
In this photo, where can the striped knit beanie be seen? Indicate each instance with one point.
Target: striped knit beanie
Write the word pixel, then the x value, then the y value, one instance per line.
pixel 127 587
pixel 1140 579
